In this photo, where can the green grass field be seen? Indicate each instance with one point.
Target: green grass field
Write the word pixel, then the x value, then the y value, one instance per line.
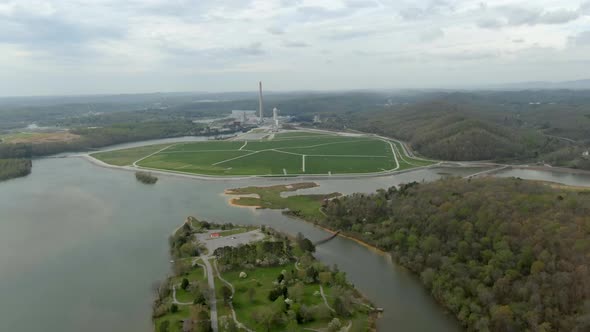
pixel 283 154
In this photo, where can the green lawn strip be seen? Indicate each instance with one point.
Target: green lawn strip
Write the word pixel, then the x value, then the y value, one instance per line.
pixel 175 319
pixel 300 142
pixel 193 162
pixel 206 145
pixel 266 162
pixel 127 156
pixel 360 147
pixel 299 134
pixel 237 231
pixel 343 165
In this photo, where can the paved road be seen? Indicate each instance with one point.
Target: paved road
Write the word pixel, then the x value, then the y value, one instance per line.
pixel 212 296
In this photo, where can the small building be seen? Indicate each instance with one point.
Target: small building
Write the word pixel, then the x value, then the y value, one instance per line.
pixel 586 153
pixel 215 235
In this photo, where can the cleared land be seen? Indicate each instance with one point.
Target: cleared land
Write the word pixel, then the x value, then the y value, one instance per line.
pixel 39 137
pixel 291 153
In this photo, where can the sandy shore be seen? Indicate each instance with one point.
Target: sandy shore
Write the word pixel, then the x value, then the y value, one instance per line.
pixel 232 199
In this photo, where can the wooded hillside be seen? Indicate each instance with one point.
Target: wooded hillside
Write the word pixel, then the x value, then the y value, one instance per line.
pixel 447 131
pixel 500 254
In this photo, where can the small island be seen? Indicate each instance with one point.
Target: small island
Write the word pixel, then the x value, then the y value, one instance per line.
pixel 146 177
pixel 245 278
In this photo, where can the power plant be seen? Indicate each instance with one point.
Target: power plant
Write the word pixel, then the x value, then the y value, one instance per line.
pixel 275 119
pixel 275 124
pixel 260 103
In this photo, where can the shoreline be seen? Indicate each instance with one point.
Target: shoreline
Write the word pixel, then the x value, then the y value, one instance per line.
pixel 343 235
pixel 232 199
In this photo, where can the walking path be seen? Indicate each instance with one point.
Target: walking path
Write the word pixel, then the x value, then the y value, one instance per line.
pixel 325 300
pixel 231 306
pixel 174 300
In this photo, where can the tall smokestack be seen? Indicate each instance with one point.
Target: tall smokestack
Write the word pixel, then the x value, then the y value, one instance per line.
pixel 260 108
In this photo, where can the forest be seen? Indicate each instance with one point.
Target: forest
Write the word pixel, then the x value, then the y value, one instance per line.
pixel 448 131
pixel 499 254
pixel 549 126
pixel 13 168
pixel 15 161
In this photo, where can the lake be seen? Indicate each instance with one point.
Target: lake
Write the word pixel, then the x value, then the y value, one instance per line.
pixel 82 245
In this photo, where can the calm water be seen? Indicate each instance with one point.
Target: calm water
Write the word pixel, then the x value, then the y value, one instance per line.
pixel 80 247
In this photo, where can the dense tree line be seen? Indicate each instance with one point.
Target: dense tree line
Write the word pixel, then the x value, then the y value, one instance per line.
pixel 15 161
pixel 500 254
pixel 13 168
pixel 116 134
pixel 264 253
pixel 15 151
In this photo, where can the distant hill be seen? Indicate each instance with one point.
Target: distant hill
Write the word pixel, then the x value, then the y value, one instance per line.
pixel 444 130
pixel 544 85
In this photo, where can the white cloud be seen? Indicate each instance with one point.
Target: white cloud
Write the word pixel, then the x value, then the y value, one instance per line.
pixel 126 45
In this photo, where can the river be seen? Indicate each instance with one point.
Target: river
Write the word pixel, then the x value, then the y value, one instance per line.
pixel 81 245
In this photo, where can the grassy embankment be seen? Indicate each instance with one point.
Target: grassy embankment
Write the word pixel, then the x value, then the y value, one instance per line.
pixel 127 157
pixel 294 153
pixel 304 206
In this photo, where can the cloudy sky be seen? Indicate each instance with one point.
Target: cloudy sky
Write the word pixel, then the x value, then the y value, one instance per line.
pixel 124 46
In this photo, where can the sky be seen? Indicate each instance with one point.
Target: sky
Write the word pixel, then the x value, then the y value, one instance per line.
pixel 64 47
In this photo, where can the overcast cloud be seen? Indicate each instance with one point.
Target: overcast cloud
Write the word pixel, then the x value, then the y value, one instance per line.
pixel 125 46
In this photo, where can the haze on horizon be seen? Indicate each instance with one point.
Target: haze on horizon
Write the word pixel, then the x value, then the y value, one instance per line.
pixel 128 46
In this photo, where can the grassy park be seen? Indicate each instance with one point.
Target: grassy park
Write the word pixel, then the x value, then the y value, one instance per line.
pixel 282 154
pixel 271 282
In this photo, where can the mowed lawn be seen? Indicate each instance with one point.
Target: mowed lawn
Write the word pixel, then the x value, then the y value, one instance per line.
pixel 283 155
pixel 343 165
pixel 202 162
pixel 127 156
pixel 261 280
pixel 354 146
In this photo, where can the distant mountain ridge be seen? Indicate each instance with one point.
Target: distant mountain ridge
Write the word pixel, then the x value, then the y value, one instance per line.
pixel 544 85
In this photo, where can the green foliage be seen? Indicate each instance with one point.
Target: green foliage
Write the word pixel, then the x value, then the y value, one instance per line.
pixel 13 168
pixel 184 284
pixel 304 243
pixel 183 243
pixel 15 160
pixel 146 177
pixel 501 254
pixel 173 308
pixel 164 326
